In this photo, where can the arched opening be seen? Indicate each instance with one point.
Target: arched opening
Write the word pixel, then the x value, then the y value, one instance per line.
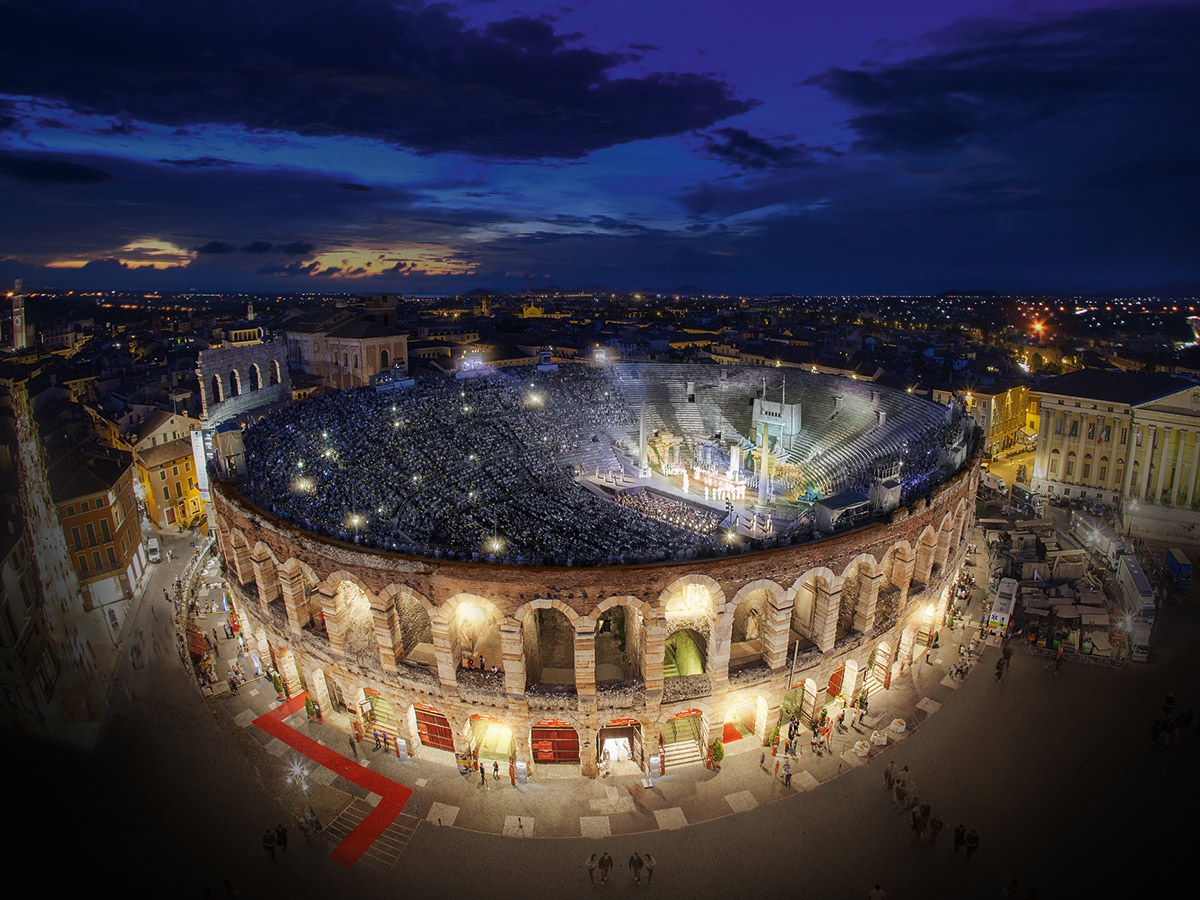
pixel 554 742
pixel 683 739
pixel 384 359
pixel 749 628
pixel 416 632
pixel 359 642
pixel 878 674
pixel 235 383
pixel 216 394
pixel 685 653
pixel 378 717
pixel 804 607
pixel 619 644
pixel 274 377
pixel 255 377
pixel 431 727
pixel 490 738
pixel 619 747
pixel 549 640
pixel 475 637
pixel 746 720
pixel 851 592
pixel 799 703
pixel 337 698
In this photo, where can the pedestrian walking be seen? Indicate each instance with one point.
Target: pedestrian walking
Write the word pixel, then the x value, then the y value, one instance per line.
pixel 482 776
pixel 972 843
pixel 269 843
pixel 215 638
pixel 1059 658
pixel 590 865
pixel 635 865
pixel 762 760
pixel 378 742
pixel 876 893
pixel 495 770
pixel 960 837
pixel 650 862
pixel 889 774
pixel 899 795
pixel 787 775
pixel 935 826
pixel 918 825
pixel 605 864
pixel 281 838
pixel 353 746
pixel 776 769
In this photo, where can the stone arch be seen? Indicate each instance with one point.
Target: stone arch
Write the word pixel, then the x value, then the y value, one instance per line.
pixel 620 637
pixel 240 557
pixel 800 700
pixel 255 377
pixel 266 572
pixel 235 383
pixel 749 625
pixel 473 624
pixel 349 608
pixel 274 377
pixel 897 567
pixel 925 549
pixel 301 598
pixel 860 591
pixel 686 589
pixel 548 630
pixel 216 390
pixel 409 617
pixel 941 552
pixel 384 359
pixel 748 714
pixel 805 593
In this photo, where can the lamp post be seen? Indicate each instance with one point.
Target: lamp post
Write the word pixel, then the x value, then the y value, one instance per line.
pixel 1133 505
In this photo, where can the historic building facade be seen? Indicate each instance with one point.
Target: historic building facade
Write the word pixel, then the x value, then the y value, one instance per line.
pixel 1127 438
pixel 635 658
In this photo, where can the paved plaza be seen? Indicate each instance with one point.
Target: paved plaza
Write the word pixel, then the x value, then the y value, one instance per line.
pixel 1057 775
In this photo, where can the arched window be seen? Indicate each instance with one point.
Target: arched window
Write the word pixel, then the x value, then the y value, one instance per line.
pixel 274 371
pixel 255 377
pixel 345 360
pixel 216 395
pixel 235 383
pixel 383 359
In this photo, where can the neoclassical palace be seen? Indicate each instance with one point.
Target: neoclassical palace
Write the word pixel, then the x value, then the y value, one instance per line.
pixel 561 665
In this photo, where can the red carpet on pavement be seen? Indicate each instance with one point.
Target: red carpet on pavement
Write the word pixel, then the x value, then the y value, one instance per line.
pixel 730 733
pixel 394 795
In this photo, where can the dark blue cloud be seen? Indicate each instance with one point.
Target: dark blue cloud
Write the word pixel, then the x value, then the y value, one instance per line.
pixel 740 148
pixel 43 171
pixel 419 78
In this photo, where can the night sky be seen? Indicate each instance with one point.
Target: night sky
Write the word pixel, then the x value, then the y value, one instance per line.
pixel 856 146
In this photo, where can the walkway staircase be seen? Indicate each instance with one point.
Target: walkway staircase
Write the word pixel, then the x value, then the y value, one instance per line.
pixel 681 742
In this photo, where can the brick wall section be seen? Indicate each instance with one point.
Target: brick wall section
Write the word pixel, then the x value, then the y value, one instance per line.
pixel 881 554
pixel 221 361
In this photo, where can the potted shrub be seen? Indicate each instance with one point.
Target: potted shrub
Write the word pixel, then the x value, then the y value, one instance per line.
pixel 716 753
pixel 314 711
pixel 277 683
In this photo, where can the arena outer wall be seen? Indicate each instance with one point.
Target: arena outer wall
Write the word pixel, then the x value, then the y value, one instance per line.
pixel 888 584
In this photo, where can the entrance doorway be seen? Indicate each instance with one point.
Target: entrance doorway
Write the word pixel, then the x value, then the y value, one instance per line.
pixel 740 722
pixel 619 743
pixel 491 738
pixel 554 741
pixel 378 716
pixel 433 728
pixel 335 694
pixel 683 738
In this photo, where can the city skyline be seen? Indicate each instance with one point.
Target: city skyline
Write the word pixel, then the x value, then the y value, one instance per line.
pixel 376 147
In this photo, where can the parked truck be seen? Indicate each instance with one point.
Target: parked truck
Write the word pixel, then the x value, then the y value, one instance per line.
pixel 1094 534
pixel 1180 566
pixel 1134 590
pixel 994 482
pixel 1026 499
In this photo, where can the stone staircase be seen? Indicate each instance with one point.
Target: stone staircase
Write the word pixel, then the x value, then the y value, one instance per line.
pixel 681 742
pixel 682 753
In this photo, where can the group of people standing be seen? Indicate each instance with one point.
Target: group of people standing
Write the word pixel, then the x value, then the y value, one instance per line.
pixel 923 820
pixel 603 864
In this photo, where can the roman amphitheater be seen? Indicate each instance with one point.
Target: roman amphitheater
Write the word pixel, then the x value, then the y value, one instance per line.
pixel 582 566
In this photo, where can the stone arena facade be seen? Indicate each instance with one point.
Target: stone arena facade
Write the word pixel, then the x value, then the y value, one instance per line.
pixel 588 654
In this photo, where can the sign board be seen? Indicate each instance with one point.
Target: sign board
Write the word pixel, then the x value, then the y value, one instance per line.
pixel 200 462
